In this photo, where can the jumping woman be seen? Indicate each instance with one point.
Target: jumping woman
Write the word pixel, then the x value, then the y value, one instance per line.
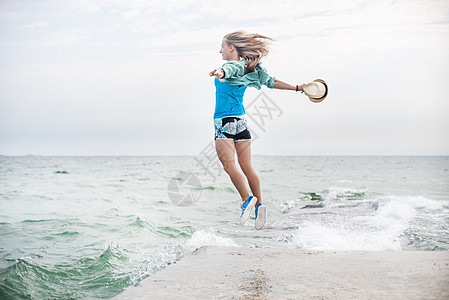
pixel 243 52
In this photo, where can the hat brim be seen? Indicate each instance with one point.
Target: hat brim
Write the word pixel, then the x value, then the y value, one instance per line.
pixel 317 100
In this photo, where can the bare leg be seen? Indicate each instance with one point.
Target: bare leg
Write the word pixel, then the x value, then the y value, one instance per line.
pixel 226 153
pixel 243 149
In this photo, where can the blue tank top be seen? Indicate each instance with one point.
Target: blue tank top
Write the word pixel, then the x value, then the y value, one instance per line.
pixel 228 99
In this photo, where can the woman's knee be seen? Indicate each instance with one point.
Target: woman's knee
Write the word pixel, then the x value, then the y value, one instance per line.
pixel 247 168
pixel 229 166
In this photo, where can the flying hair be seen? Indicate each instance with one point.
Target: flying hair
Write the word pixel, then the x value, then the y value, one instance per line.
pixel 250 46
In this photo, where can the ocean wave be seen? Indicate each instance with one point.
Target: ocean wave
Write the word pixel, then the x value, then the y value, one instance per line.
pixel 158 259
pixel 67 233
pixel 335 194
pixel 22 280
pixel 28 278
pixel 61 172
pixel 138 222
pixel 39 221
pixel 385 228
pixel 105 259
pixel 170 232
pixel 208 237
pixel 312 196
pixel 219 189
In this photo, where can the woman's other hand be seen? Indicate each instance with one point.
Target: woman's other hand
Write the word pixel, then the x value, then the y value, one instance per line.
pixel 218 73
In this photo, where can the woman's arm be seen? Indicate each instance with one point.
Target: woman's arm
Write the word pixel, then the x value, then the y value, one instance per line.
pixel 280 85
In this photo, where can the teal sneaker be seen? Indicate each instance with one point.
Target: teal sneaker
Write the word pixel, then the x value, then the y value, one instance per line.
pixel 261 216
pixel 247 207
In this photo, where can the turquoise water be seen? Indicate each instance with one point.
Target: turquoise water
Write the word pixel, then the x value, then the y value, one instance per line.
pixel 89 227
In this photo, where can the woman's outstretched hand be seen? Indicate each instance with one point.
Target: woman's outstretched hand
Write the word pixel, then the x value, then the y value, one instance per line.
pixel 218 73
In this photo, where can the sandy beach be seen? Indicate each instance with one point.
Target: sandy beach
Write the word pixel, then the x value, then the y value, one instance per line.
pixel 266 273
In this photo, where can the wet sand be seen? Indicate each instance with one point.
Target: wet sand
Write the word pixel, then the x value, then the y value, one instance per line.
pixel 256 273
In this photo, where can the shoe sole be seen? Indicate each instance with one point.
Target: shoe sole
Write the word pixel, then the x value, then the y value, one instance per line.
pixel 261 217
pixel 248 210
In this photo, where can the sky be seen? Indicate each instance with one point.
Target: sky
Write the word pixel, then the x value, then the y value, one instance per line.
pixel 121 77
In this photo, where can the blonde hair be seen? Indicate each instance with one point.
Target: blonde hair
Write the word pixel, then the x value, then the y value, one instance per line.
pixel 250 46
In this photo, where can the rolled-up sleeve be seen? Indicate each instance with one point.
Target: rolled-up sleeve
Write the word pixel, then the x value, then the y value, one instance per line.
pixel 235 74
pixel 233 69
pixel 265 78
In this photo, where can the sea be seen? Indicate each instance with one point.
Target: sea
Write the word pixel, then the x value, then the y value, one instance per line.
pixel 89 227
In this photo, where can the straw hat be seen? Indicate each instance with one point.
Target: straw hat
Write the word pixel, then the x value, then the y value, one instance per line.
pixel 316 90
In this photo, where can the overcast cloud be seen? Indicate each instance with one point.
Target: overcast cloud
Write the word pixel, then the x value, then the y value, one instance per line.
pixel 131 77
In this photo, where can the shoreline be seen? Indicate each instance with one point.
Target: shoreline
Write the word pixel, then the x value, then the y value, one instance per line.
pixel 268 273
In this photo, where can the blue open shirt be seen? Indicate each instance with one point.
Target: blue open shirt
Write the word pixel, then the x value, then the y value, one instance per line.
pixel 229 93
pixel 228 99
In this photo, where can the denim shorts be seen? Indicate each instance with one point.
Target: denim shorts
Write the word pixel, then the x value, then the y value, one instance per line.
pixel 232 128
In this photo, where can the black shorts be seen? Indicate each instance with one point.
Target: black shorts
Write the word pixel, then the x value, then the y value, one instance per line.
pixel 232 128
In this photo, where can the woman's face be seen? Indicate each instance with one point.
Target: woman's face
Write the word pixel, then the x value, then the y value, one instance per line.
pixel 226 50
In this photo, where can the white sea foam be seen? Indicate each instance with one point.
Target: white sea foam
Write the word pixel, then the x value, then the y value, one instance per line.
pixel 208 237
pixel 324 237
pixel 383 229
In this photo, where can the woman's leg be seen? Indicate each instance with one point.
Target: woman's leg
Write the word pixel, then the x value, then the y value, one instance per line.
pixel 243 149
pixel 226 153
